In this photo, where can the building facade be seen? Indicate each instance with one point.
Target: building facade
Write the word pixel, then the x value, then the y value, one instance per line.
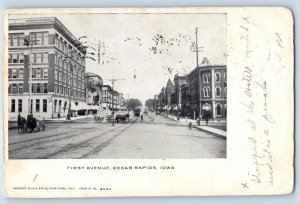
pixel 107 96
pixel 46 68
pixel 208 91
pixel 179 81
pixel 93 89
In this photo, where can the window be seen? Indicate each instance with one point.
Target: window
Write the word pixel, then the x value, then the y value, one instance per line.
pixel 33 38
pixel 16 39
pixel 59 106
pixel 45 39
pixel 10 39
pixel 218 110
pixel 37 105
pixel 15 58
pixel 59 42
pixel 59 61
pixel 60 76
pixel 21 58
pixel 21 70
pixel 33 74
pixel 33 57
pixel 225 92
pixel 218 91
pixel 45 57
pixel 56 59
pixel 33 88
pixel 19 105
pixel 38 72
pixel 14 73
pixel 38 88
pixel 38 57
pixel 45 72
pixel 204 78
pixel 44 105
pixel 20 88
pixel 65 106
pixel 218 77
pixel 55 104
pixel 14 89
pixel 45 88
pixel 10 58
pixel 13 105
pixel 9 88
pixel 55 75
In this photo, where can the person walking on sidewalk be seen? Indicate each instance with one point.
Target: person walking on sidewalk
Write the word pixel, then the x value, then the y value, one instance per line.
pixel 142 117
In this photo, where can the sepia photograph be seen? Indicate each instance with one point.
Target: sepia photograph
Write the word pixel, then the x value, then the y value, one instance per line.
pixel 117 86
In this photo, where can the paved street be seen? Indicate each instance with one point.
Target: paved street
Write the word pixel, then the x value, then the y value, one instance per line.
pixel 157 137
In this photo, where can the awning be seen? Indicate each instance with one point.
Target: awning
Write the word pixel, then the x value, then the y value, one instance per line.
pixel 74 107
pixel 94 107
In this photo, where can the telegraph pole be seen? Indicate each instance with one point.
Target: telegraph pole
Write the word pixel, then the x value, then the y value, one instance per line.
pixel 29 43
pixel 197 49
pixel 113 80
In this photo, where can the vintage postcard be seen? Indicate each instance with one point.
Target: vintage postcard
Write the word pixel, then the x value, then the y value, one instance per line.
pixel 106 102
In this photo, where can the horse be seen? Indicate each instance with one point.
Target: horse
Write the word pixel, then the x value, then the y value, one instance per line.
pixel 21 124
pixel 31 123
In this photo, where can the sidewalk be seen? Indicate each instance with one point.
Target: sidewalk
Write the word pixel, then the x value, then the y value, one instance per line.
pixel 214 131
pixel 202 127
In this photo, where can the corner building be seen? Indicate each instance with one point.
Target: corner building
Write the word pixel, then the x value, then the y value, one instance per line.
pixel 56 61
pixel 208 91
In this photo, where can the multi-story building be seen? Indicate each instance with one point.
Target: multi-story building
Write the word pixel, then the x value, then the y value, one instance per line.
pixel 161 99
pixel 107 96
pixel 179 81
pixel 185 100
pixel 46 70
pixel 93 89
pixel 170 89
pixel 208 90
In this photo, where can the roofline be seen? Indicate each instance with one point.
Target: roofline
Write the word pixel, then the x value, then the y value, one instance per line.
pixel 47 20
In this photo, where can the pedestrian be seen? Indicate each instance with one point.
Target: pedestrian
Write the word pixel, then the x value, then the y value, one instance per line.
pixel 206 120
pixel 142 117
pixel 190 125
pixel 198 121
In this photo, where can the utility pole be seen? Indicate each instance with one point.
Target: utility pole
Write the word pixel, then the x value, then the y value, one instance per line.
pixel 196 32
pixel 113 80
pixel 197 49
pixel 29 43
pixel 71 92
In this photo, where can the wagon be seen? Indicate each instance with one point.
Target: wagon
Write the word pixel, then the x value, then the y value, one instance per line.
pixel 30 125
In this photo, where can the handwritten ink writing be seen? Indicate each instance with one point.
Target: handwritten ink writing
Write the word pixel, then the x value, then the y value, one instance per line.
pixel 265 114
pixel 246 81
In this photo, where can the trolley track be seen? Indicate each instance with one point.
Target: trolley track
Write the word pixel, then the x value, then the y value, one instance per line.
pixel 44 139
pixel 78 145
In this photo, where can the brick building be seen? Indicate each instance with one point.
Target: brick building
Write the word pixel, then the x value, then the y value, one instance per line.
pixel 56 61
pixel 208 91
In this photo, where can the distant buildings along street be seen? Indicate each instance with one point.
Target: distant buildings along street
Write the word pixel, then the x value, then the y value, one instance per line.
pixel 200 93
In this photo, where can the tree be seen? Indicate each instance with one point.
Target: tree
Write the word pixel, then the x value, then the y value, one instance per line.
pixel 132 103
pixel 150 103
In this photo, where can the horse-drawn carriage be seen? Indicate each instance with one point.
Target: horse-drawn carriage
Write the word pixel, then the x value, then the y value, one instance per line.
pixel 30 124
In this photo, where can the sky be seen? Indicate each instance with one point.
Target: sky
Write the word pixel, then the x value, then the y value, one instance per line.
pixel 152 47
